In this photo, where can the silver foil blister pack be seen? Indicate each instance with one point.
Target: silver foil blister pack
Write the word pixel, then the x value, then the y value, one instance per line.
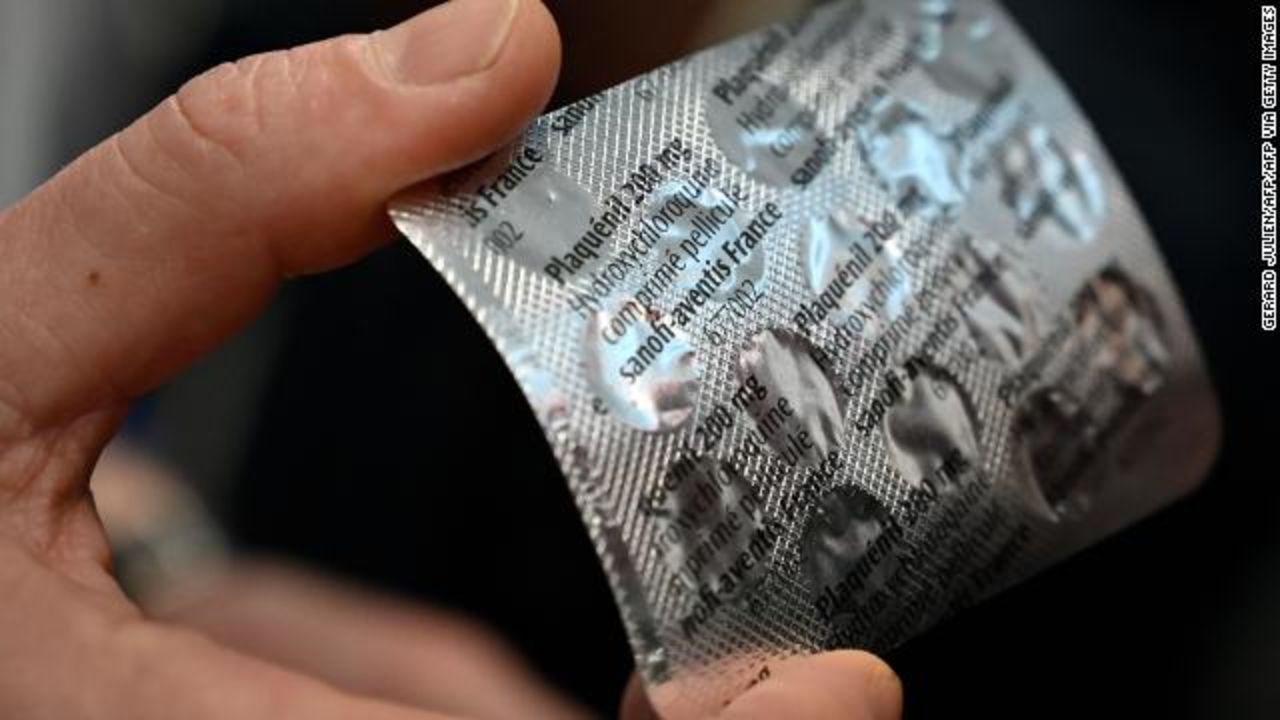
pixel 835 330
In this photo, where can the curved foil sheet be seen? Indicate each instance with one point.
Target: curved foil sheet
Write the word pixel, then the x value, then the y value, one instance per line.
pixel 1043 182
pixel 1060 440
pixel 1132 351
pixel 913 159
pixel 695 222
pixel 657 363
pixel 835 329
pixel 1008 320
pixel 845 546
pixel 931 432
pixel 707 519
pixel 797 411
pixel 764 131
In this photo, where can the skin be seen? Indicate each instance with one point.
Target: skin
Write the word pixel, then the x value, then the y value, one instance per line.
pixel 162 241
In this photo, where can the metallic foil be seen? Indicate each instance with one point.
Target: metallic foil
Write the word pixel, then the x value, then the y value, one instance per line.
pixel 835 329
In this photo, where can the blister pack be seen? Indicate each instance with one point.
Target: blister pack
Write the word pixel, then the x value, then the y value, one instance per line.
pixel 835 330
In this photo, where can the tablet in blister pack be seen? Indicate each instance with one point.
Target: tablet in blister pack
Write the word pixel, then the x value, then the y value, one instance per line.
pixel 835 330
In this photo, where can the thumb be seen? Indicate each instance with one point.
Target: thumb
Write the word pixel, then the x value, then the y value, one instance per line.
pixel 167 237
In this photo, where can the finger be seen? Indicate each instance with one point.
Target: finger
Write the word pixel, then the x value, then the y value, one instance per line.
pixel 71 651
pixel 161 241
pixel 635 702
pixel 844 685
pixel 164 673
pixel 366 643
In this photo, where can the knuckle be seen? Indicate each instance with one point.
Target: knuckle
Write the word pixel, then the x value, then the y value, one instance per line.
pixel 216 127
pixel 237 109
pixel 217 111
pixel 228 110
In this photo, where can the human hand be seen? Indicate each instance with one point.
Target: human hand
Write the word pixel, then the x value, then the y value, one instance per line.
pixel 162 241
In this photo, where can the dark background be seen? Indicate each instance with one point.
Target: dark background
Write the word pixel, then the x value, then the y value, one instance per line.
pixel 383 439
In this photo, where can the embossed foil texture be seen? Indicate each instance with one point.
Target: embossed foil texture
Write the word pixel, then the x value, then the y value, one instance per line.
pixel 835 330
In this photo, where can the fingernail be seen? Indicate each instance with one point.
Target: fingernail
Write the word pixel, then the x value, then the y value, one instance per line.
pixel 459 38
